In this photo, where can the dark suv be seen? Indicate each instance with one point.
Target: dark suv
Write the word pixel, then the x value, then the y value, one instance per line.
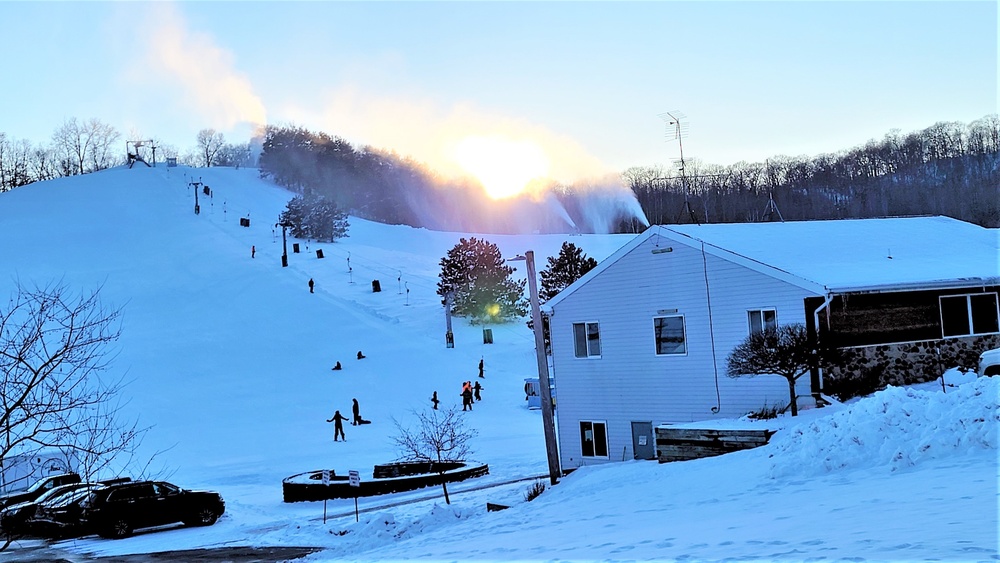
pixel 115 511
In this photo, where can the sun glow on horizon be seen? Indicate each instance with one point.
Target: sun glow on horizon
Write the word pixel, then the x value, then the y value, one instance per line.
pixel 504 167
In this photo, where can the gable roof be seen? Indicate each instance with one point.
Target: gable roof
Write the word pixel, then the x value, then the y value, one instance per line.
pixel 842 256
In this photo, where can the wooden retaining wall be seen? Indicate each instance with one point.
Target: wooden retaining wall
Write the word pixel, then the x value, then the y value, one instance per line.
pixel 308 486
pixel 681 444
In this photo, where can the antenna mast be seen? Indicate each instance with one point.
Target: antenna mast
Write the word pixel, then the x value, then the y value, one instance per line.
pixel 772 208
pixel 678 129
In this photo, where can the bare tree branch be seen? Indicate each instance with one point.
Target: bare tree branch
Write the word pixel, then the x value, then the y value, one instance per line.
pixel 55 352
pixel 440 435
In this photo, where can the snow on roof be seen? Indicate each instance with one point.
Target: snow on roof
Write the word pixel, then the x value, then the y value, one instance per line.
pixel 860 254
pixel 844 255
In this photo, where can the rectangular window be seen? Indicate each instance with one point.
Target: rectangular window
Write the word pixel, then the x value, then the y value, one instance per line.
pixel 969 315
pixel 762 319
pixel 587 340
pixel 593 438
pixel 669 335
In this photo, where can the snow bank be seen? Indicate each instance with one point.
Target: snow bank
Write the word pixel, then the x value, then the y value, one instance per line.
pixel 895 428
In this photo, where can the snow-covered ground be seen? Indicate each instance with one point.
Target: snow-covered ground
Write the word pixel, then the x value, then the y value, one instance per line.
pixel 229 359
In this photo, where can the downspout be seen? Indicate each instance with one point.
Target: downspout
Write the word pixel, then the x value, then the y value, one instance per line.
pixel 711 332
pixel 826 304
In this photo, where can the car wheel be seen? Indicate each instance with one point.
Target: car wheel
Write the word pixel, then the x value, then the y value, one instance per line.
pixel 119 528
pixel 204 517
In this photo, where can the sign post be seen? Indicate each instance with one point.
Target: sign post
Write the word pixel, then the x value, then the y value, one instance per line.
pixel 326 481
pixel 355 478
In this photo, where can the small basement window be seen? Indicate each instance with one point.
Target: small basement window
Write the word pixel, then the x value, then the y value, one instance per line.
pixel 593 438
pixel 969 315
pixel 587 340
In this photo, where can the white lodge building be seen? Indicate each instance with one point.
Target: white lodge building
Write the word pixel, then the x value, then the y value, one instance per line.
pixel 642 339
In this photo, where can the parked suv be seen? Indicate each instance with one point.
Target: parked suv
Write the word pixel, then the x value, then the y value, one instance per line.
pixel 118 510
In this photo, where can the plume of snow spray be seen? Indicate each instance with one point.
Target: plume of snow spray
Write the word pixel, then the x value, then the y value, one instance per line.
pixel 606 202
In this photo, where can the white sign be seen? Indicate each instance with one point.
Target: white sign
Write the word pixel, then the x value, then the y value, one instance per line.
pixel 642 440
pixel 326 476
pixel 355 478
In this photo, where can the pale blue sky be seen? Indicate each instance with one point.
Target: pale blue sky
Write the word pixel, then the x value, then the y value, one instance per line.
pixel 585 81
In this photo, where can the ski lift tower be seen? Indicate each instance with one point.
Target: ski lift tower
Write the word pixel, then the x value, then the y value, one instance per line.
pixel 132 150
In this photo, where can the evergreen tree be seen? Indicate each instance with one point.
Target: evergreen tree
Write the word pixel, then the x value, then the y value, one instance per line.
pixel 570 265
pixel 479 279
pixel 326 221
pixel 295 215
pixel 315 217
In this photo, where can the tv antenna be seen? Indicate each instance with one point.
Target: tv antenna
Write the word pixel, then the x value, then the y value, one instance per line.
pixel 676 130
pixel 772 208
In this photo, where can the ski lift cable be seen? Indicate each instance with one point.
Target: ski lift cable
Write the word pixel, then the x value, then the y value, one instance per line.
pixel 374 266
pixel 381 268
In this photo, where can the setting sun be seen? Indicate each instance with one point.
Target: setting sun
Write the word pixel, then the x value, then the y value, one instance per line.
pixel 504 167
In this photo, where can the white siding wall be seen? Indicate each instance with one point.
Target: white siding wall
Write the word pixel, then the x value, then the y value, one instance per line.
pixel 629 382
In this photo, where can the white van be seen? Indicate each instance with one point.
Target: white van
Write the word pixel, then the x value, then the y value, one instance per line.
pixel 989 363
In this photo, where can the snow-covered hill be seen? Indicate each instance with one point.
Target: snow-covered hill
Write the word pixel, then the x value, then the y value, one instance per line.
pixel 229 359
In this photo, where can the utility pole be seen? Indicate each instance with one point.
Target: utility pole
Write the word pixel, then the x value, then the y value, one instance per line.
pixel 449 336
pixel 551 451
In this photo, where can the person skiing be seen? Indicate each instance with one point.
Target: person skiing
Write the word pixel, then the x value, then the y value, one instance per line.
pixel 253 251
pixel 361 356
pixel 434 400
pixel 476 389
pixel 338 425
pixel 357 413
pixel 337 367
pixel 481 368
pixel 466 396
pixel 311 284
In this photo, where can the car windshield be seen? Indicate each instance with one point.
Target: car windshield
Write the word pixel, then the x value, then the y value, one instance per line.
pixel 56 493
pixel 70 497
pixel 38 485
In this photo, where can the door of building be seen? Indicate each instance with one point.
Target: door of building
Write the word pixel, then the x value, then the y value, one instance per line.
pixel 643 443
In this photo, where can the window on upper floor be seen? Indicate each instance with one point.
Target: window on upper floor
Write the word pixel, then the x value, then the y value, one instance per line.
pixel 668 333
pixel 969 315
pixel 587 340
pixel 762 319
pixel 593 438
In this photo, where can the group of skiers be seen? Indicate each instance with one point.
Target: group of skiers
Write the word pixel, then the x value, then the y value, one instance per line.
pixel 470 394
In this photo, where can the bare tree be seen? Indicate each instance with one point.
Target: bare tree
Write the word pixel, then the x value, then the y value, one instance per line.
pixel 5 165
pixel 44 164
pixel 784 351
pixel 234 155
pixel 210 142
pixel 72 144
pixel 441 435
pixel 54 351
pixel 86 145
pixel 104 145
